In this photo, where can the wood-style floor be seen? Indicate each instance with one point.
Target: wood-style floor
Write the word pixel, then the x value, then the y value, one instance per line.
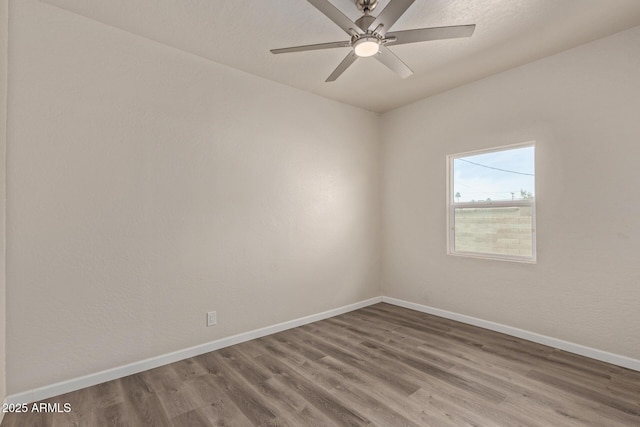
pixel 381 365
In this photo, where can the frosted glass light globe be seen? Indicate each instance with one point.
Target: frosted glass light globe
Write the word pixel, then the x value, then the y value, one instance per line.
pixel 366 46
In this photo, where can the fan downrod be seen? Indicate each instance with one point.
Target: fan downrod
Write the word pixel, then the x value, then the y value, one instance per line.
pixel 366 5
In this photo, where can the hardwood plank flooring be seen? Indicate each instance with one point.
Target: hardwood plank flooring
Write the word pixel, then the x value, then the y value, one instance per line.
pixel 378 366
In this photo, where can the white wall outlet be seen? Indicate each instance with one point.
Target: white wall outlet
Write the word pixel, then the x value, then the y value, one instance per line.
pixel 212 318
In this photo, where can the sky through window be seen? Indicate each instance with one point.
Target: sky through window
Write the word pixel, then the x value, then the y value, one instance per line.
pixel 497 176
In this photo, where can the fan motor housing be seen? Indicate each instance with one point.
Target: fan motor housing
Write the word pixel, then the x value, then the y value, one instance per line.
pixel 364 21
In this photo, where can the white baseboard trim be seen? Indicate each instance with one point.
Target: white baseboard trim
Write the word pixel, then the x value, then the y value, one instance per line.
pixel 154 362
pixel 4 402
pixel 616 359
pixel 73 384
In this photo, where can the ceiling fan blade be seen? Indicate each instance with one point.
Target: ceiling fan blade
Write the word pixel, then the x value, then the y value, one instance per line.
pixel 427 34
pixel 336 16
pixel 390 59
pixel 311 47
pixel 346 62
pixel 390 15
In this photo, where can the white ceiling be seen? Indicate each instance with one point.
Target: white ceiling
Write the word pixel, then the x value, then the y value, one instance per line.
pixel 239 33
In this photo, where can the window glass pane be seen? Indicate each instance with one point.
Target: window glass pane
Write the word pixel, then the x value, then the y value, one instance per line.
pixel 496 231
pixel 496 176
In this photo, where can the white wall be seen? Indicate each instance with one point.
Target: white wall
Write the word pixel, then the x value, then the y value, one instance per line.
pixel 582 107
pixel 4 19
pixel 147 186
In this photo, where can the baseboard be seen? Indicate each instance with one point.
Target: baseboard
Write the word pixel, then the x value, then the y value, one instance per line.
pixel 4 402
pixel 616 359
pixel 154 362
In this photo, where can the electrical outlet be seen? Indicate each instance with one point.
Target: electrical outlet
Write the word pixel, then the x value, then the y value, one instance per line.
pixel 212 318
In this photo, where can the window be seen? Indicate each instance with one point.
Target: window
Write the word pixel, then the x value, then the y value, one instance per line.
pixel 491 204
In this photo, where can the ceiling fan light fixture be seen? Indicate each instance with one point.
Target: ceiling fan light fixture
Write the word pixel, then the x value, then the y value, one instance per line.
pixel 369 35
pixel 366 46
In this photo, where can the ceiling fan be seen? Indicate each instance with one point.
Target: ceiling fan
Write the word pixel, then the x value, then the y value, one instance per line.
pixel 370 35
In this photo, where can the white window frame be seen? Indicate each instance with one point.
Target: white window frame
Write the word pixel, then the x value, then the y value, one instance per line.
pixel 452 205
